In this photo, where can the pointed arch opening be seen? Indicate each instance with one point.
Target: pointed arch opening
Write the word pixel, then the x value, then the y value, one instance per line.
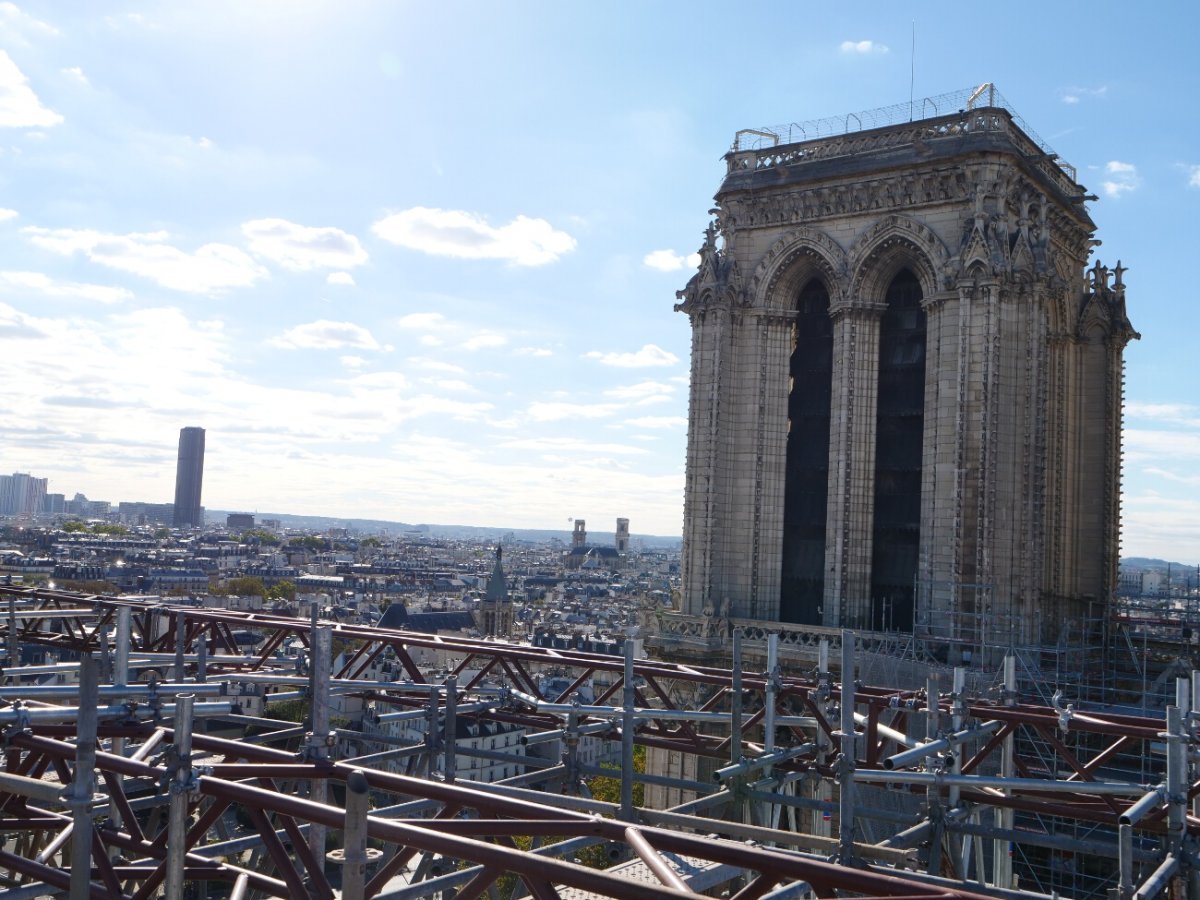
pixel 806 486
pixel 899 438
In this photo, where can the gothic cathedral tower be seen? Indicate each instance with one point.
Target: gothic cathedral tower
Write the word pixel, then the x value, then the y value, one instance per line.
pixel 906 385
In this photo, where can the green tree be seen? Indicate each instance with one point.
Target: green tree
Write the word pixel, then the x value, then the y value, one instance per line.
pixel 262 536
pixel 309 542
pixel 73 526
pixel 108 528
pixel 246 586
pixel 284 590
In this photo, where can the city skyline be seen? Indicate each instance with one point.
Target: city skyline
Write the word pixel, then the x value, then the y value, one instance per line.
pixel 419 264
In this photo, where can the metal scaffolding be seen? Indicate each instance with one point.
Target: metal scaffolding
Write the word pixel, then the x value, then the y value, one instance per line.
pixel 147 769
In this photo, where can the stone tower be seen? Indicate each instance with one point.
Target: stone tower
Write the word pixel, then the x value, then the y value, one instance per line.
pixel 495 615
pixel 906 384
pixel 622 536
pixel 579 535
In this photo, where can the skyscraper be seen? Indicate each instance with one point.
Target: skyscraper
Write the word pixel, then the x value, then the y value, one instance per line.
pixel 906 384
pixel 21 494
pixel 189 477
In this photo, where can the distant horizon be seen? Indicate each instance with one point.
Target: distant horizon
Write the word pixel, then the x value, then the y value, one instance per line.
pixel 634 531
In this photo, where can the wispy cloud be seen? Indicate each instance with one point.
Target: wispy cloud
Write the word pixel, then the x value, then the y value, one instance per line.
pixel 302 247
pixel 670 261
pixel 209 269
pixel 467 235
pixel 658 422
pixel 16 324
pixel 344 279
pixel 649 355
pixel 1074 95
pixel 641 391
pixel 536 352
pixel 484 340
pixel 1183 414
pixel 569 445
pixel 434 365
pixel 1193 174
pixel 75 73
pixel 51 287
pixel 863 48
pixel 425 321
pixel 6 214
pixel 1122 178
pixel 19 105
pixel 554 411
pixel 17 20
pixel 326 335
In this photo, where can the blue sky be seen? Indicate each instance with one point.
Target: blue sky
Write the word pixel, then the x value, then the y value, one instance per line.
pixel 418 261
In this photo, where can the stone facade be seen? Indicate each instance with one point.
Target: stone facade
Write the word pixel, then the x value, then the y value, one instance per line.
pixel 906 388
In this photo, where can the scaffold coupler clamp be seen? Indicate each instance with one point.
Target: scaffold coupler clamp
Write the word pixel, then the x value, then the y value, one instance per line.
pixel 842 765
pixel 1065 713
pixel 20 724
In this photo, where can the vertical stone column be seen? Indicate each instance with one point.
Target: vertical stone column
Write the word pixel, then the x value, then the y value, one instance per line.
pixel 701 449
pixel 940 513
pixel 848 534
pixel 771 463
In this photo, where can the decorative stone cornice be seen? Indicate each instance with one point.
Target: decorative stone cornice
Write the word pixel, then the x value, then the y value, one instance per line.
pixel 804 206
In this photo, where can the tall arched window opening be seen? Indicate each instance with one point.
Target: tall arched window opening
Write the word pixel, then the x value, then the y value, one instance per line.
pixel 807 483
pixel 898 442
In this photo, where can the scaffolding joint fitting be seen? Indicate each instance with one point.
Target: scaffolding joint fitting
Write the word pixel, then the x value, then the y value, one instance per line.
pixel 188 785
pixel 21 725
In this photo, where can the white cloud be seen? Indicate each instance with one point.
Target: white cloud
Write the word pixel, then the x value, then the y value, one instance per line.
pixel 658 422
pixel 670 261
pixel 44 284
pixel 484 340
pixel 863 47
pixel 210 269
pixel 75 73
pixel 379 381
pixel 342 278
pixel 434 365
pixel 452 384
pixel 641 391
pixel 326 335
pixel 352 362
pixel 16 324
pixel 15 18
pixel 649 355
pixel 1176 413
pixel 424 321
pixel 569 445
pixel 1191 480
pixel 1122 178
pixel 301 247
pixel 1072 95
pixel 537 352
pixel 19 105
pixel 1193 173
pixel 555 412
pixel 1147 444
pixel 466 235
pixel 6 214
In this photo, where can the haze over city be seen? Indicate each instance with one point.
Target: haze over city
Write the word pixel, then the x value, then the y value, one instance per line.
pixel 418 264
